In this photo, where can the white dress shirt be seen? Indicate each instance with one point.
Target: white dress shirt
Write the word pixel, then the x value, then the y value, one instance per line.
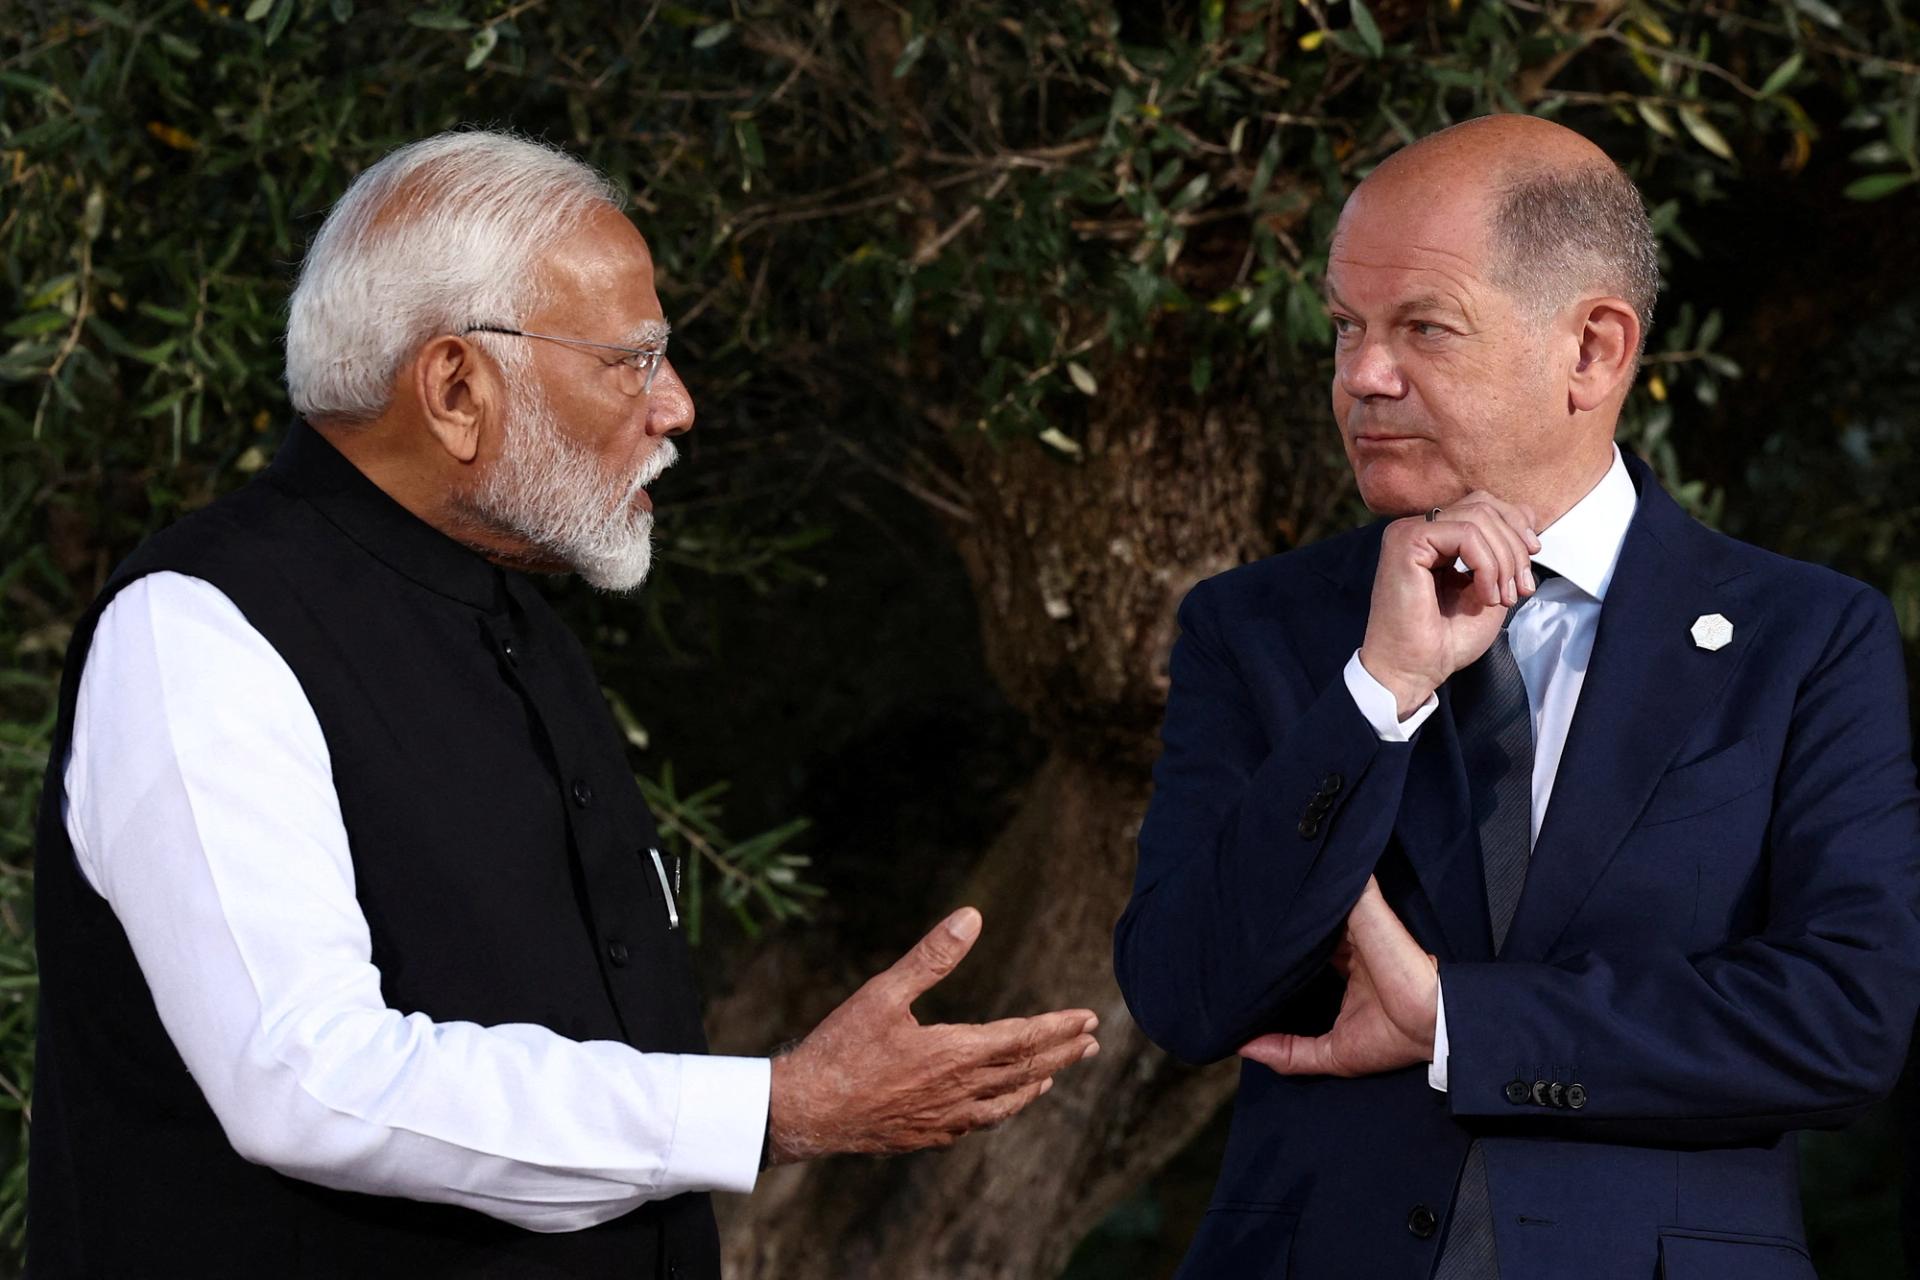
pixel 1551 639
pixel 200 803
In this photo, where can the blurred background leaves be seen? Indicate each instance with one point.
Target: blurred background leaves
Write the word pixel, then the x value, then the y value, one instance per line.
pixel 995 312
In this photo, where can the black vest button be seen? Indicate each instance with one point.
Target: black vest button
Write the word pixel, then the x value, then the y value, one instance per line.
pixel 512 653
pixel 617 953
pixel 1422 1222
pixel 582 793
pixel 1517 1092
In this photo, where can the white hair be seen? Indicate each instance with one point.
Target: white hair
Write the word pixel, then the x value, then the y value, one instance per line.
pixel 440 234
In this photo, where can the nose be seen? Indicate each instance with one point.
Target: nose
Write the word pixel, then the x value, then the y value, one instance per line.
pixel 1368 369
pixel 670 404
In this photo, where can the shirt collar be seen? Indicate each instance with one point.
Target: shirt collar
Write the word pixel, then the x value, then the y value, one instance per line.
pixel 1583 546
pixel 308 465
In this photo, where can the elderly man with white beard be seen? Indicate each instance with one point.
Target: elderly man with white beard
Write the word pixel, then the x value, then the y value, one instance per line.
pixel 358 955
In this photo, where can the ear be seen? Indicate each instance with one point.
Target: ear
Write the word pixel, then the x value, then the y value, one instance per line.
pixel 1608 337
pixel 459 392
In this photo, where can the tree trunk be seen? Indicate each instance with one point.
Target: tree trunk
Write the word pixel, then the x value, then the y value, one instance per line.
pixel 1078 568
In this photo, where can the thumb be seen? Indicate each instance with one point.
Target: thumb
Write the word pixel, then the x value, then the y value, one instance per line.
pixel 934 956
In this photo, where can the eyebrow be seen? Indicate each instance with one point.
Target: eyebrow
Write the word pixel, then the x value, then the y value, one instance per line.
pixel 1424 302
pixel 648 333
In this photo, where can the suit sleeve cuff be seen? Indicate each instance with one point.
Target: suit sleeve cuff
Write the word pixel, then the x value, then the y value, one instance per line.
pixel 1437 1069
pixel 1380 707
pixel 722 1120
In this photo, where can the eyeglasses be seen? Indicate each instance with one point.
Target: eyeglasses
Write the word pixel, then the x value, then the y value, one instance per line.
pixel 640 364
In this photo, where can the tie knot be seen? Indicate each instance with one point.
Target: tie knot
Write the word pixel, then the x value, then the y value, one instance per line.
pixel 1540 575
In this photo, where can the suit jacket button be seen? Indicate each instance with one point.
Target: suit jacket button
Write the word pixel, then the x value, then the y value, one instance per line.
pixel 1331 784
pixel 1309 827
pixel 582 793
pixel 1539 1093
pixel 1421 1221
pixel 617 953
pixel 1319 806
pixel 1557 1094
pixel 1576 1096
pixel 1517 1092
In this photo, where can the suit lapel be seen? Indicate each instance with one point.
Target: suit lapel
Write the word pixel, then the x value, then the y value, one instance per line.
pixel 1646 685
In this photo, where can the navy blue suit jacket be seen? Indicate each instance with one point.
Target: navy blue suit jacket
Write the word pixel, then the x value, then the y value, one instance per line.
pixel 1718 941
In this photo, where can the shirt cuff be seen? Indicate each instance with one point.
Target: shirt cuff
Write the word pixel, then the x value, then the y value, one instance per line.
pixel 1380 707
pixel 721 1122
pixel 1437 1069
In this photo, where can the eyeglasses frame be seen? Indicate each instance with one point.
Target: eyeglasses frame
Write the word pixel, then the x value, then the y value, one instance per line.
pixel 654 355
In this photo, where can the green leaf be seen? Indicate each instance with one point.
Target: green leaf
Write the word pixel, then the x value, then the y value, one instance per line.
pixel 481 47
pixel 258 10
pixel 1704 133
pixel 1821 12
pixel 282 15
pixel 35 323
pixel 1709 331
pixel 438 20
pixel 1263 171
pixel 170 315
pixel 910 55
pixel 751 149
pixel 1055 438
pixel 1782 75
pixel 1879 185
pixel 1368 31
pixel 713 35
pixel 1656 118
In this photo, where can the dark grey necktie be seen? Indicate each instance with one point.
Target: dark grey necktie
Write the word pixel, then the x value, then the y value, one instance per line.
pixel 1495 723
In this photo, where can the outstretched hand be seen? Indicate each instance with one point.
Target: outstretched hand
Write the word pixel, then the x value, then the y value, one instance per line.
pixel 870 1078
pixel 1386 1018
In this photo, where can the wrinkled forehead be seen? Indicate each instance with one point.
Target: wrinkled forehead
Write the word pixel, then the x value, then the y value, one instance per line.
pixel 1405 235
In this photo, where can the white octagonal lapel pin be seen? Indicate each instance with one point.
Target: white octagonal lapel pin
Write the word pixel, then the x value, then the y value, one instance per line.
pixel 1712 631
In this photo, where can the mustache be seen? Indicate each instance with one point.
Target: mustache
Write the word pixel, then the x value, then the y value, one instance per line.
pixel 656 464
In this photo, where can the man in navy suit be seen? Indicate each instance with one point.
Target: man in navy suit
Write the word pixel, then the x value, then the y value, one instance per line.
pixel 1550 858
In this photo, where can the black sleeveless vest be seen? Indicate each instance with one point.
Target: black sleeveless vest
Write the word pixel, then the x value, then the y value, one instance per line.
pixel 499 848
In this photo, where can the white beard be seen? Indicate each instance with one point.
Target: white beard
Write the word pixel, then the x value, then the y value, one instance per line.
pixel 548 491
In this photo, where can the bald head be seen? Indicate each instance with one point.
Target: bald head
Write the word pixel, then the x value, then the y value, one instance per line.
pixel 1490 288
pixel 1558 217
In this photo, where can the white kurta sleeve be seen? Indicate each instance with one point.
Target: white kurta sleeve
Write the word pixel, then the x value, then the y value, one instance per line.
pixel 201 805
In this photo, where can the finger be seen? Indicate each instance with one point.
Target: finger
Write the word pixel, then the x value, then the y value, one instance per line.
pixel 995 1079
pixel 992 1111
pixel 1014 1039
pixel 1292 1055
pixel 1520 515
pixel 932 958
pixel 1520 519
pixel 1482 558
pixel 1510 548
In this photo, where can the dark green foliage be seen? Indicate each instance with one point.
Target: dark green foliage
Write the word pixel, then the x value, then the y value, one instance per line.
pixel 875 226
